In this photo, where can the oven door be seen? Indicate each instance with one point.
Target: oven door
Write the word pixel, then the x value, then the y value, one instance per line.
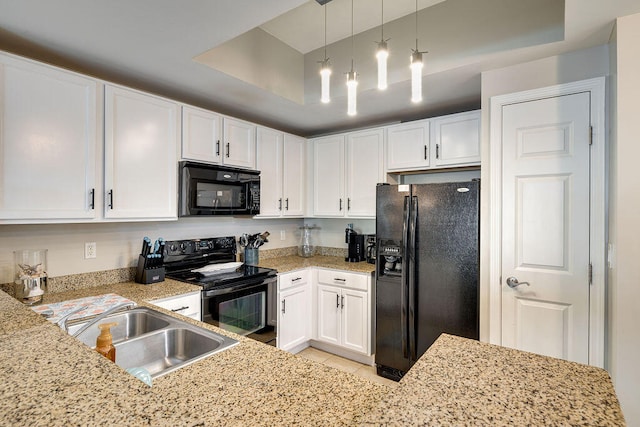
pixel 243 309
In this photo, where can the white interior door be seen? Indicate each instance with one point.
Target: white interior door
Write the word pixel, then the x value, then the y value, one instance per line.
pixel 545 229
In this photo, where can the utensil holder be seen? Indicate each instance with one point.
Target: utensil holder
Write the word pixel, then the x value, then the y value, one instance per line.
pixel 251 256
pixel 147 276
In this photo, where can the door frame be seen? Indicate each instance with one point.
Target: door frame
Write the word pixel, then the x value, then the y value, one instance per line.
pixel 598 207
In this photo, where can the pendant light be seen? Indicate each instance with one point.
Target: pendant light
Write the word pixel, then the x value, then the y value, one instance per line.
pixel 352 79
pixel 325 68
pixel 416 68
pixel 382 54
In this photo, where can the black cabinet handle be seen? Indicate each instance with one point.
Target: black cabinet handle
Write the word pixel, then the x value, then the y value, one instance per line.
pixel 284 306
pixel 437 151
pixel 337 279
pixel 280 204
pixel 342 301
pixel 180 309
pixel 92 204
pixel 348 204
pixel 340 204
pixel 218 148
pixel 110 199
pixel 425 152
pixel 228 149
pixel 296 279
pixel 337 301
pixel 286 204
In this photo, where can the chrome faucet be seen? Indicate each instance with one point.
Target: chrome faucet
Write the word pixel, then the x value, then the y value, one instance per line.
pixel 90 323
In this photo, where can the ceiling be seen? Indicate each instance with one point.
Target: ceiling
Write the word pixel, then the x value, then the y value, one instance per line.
pixel 268 72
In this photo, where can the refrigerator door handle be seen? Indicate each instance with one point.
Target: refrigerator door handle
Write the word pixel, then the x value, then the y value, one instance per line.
pixel 413 217
pixel 405 280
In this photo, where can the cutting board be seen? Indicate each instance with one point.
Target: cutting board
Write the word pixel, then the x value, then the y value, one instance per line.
pixel 94 306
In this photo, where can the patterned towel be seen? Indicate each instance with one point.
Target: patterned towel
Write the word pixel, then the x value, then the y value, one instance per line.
pixel 94 306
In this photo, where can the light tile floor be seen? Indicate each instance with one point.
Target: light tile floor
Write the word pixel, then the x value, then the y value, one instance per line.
pixel 364 371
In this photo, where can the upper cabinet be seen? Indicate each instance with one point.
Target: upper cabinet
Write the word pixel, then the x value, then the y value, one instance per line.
pixel 212 138
pixel 49 142
pixel 281 160
pixel 347 169
pixel 408 146
pixel 440 142
pixel 201 135
pixel 457 139
pixel 141 143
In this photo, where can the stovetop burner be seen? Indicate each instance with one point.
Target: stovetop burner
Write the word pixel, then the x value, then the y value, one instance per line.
pixel 183 256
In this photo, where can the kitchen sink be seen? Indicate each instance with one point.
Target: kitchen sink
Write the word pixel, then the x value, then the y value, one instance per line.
pixel 146 338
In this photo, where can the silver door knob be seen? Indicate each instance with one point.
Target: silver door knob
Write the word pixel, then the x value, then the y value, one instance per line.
pixel 512 282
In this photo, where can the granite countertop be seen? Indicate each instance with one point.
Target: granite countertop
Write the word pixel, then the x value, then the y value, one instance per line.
pixel 49 378
pixel 294 262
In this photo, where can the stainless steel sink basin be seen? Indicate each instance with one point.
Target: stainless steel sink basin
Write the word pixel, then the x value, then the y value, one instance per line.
pixel 131 323
pixel 146 338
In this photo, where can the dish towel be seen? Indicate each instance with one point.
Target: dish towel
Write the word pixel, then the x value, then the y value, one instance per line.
pixel 94 306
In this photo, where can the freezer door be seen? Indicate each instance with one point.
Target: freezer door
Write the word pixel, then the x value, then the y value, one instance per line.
pixel 389 206
pixel 447 262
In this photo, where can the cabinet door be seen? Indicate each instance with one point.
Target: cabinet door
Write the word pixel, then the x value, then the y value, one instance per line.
pixel 141 134
pixel 355 320
pixel 239 143
pixel 201 135
pixel 364 171
pixel 293 187
pixel 186 304
pixel 329 311
pixel 408 146
pixel 328 177
pixel 293 318
pixel 48 142
pixel 269 160
pixel 457 139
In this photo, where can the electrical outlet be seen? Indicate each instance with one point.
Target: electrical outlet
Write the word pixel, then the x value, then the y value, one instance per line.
pixel 90 250
pixel 283 235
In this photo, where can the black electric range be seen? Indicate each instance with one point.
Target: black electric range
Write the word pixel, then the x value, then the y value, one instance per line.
pixel 242 300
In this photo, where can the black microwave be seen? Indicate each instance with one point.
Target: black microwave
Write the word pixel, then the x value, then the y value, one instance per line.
pixel 218 190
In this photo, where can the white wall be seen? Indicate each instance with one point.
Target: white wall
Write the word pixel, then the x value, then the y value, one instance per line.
pixel 624 212
pixel 118 244
pixel 331 232
pixel 570 67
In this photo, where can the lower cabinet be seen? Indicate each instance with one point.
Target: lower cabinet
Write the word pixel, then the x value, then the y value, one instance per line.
pixel 185 304
pixel 294 303
pixel 343 318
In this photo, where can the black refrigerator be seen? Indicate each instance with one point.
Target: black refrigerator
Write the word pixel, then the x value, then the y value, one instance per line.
pixel 427 269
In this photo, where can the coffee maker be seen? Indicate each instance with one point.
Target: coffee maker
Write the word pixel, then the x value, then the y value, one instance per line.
pixel 370 243
pixel 356 249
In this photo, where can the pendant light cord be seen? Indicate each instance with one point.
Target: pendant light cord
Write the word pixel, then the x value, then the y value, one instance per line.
pixel 382 19
pixel 352 44
pixel 325 31
pixel 416 25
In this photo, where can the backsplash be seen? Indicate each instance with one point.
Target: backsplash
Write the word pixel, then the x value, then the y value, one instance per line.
pixel 108 277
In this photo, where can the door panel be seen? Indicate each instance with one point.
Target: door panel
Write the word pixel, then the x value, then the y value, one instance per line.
pixel 545 230
pixel 328 314
pixel 354 320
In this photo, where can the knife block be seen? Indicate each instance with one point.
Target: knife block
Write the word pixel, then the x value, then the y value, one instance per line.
pixel 146 276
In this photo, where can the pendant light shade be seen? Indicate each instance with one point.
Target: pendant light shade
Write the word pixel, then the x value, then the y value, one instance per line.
pixel 325 79
pixel 352 85
pixel 382 54
pixel 416 76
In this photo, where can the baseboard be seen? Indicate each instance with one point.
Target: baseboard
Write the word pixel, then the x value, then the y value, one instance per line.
pixel 347 354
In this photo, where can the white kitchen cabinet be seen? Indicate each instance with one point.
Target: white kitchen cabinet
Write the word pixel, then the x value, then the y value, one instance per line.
pixel 364 171
pixel 239 143
pixel 141 140
pixel 457 139
pixel 346 170
pixel 188 304
pixel 49 143
pixel 408 146
pixel 328 177
pixel 280 160
pixel 201 135
pixel 344 310
pixel 294 310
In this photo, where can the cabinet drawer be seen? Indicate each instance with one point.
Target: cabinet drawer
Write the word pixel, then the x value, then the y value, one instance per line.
pixel 343 279
pixel 292 279
pixel 186 304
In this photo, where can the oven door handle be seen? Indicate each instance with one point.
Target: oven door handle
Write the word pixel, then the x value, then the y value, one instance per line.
pixel 239 287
